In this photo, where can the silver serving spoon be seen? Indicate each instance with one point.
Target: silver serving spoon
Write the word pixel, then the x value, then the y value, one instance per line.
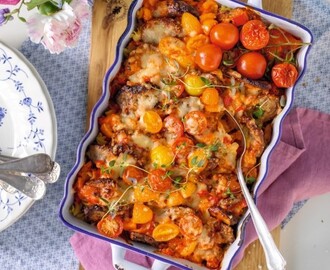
pixel 274 258
pixel 31 186
pixel 40 165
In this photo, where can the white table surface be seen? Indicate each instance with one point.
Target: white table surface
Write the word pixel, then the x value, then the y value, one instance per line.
pixel 305 240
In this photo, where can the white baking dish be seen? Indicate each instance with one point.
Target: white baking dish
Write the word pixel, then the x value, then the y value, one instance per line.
pixel 296 29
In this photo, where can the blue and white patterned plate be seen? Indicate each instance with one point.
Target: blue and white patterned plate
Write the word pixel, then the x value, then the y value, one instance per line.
pixel 27 123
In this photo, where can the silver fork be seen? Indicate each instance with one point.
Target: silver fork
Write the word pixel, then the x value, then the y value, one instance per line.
pixel 274 258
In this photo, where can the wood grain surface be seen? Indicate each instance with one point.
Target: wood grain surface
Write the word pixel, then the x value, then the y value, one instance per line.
pixel 106 31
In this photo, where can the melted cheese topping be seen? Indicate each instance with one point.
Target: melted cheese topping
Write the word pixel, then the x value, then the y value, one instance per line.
pixel 153 66
pixel 189 104
pixel 142 140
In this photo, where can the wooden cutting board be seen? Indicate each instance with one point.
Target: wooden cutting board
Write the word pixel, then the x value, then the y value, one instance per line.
pixel 108 23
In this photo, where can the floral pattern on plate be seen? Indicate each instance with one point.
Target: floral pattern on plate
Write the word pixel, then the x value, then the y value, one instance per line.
pixel 27 124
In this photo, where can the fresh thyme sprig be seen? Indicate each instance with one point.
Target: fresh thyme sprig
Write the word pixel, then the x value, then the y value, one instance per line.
pixel 113 206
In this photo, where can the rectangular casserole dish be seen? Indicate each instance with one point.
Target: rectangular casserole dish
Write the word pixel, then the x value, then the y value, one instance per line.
pixel 78 225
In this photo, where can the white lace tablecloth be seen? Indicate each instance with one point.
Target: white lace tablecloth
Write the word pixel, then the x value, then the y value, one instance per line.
pixel 39 240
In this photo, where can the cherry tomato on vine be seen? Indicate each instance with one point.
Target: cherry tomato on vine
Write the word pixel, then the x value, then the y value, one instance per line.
pixel 111 227
pixel 225 35
pixel 159 180
pixel 252 65
pixel 208 57
pixel 284 75
pixel 254 35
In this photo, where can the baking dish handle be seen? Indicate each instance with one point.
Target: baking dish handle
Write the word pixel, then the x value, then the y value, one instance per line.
pixel 119 262
pixel 255 3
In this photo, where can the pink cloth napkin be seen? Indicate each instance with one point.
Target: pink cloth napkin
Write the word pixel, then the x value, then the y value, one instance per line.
pixel 299 169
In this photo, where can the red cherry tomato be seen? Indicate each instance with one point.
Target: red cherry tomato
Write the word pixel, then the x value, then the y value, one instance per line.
pixel 195 122
pixel 158 180
pixel 252 65
pixel 208 57
pixel 225 35
pixel 174 126
pixel 284 75
pixel 178 89
pixel 132 175
pixel 111 227
pixel 254 35
pixel 182 147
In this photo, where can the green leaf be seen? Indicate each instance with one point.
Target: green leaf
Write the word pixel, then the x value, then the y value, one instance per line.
pixel 250 180
pixel 194 161
pixel 167 174
pixel 229 193
pixel 206 81
pixel 48 8
pixel 258 112
pixel 22 19
pixel 201 163
pixel 215 147
pixel 112 163
pixel 35 3
pixel 177 180
pixel 200 145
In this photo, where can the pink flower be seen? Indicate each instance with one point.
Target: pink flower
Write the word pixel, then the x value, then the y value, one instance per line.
pixel 9 2
pixel 60 30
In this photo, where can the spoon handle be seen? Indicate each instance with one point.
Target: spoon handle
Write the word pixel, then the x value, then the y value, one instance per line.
pixel 37 163
pixel 274 258
pixel 48 177
pixel 31 186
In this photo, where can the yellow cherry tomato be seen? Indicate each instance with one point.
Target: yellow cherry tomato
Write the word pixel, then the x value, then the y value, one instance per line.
pixel 188 189
pixel 210 96
pixel 194 85
pixel 152 121
pixel 189 248
pixel 165 232
pixel 213 108
pixel 194 43
pixel 161 156
pixel 197 160
pixel 207 25
pixel 143 193
pixel 190 24
pixel 141 213
pixel 174 199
